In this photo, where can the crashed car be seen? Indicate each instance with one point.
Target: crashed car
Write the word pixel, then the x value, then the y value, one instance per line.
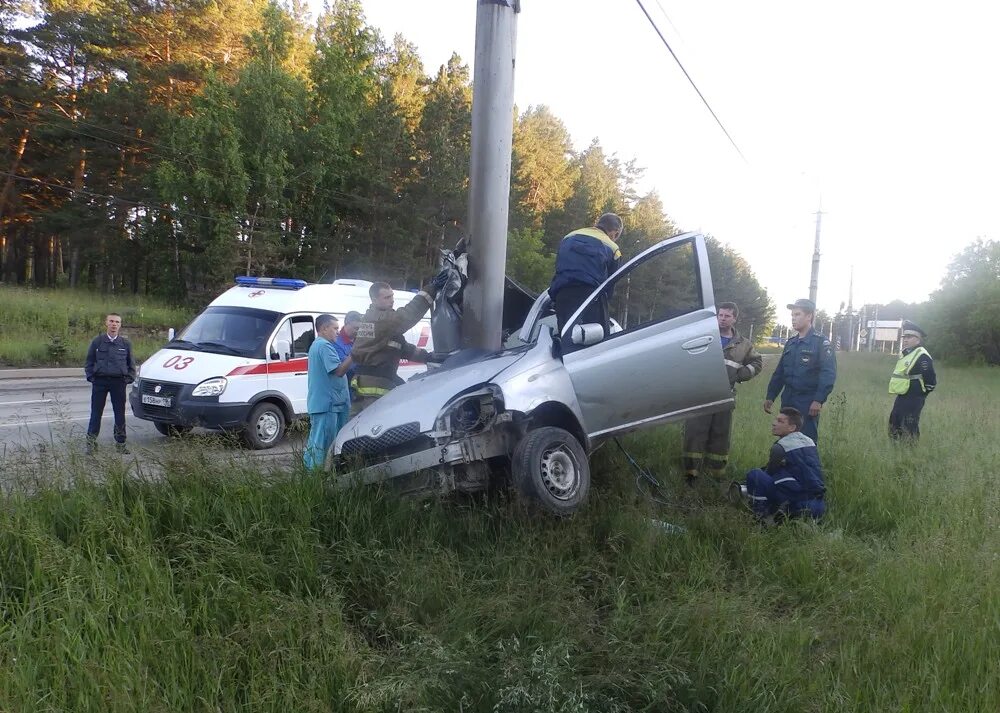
pixel 537 408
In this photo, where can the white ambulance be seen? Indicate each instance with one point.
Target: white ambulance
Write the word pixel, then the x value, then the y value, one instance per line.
pixel 241 364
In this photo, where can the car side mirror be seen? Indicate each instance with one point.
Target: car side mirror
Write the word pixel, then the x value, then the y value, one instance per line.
pixel 170 334
pixel 281 350
pixel 584 335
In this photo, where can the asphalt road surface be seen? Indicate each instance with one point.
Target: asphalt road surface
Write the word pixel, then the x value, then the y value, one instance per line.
pixel 55 411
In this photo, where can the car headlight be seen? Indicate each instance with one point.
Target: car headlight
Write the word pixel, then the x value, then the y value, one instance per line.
pixel 472 412
pixel 210 387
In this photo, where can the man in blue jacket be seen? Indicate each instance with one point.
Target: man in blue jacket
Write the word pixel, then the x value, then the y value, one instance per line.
pixel 792 480
pixel 109 368
pixel 586 258
pixel 806 371
pixel 327 398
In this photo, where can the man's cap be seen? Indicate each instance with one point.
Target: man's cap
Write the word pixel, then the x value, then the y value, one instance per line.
pixel 803 304
pixel 912 330
pixel 352 317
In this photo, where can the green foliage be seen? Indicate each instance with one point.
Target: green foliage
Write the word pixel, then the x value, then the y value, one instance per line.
pixel 734 281
pixel 528 263
pixel 216 588
pixel 964 315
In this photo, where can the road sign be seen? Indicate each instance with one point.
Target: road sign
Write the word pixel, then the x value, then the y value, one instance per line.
pixel 864 332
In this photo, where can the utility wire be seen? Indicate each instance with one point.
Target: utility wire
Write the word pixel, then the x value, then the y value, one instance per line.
pixel 703 99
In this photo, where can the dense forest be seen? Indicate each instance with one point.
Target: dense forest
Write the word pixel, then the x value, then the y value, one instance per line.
pixel 162 146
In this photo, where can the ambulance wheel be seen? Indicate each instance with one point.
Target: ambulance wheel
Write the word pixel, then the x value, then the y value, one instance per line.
pixel 265 427
pixel 171 430
pixel 551 470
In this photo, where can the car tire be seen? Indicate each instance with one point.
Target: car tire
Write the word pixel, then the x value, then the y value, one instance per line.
pixel 265 427
pixel 551 470
pixel 171 430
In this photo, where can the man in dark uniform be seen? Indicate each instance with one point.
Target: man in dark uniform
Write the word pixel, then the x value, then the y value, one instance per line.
pixel 911 381
pixel 806 371
pixel 379 343
pixel 586 258
pixel 109 368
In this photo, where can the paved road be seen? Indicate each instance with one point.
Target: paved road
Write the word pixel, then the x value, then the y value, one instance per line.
pixel 55 410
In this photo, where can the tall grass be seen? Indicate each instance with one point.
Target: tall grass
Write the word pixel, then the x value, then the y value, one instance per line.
pixel 51 327
pixel 216 589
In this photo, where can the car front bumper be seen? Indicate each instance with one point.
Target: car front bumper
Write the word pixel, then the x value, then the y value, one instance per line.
pixel 186 410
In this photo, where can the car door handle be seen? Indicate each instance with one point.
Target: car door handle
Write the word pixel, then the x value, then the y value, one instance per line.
pixel 698 344
pixel 301 373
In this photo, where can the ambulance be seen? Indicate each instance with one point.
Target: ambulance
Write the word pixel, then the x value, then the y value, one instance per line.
pixel 240 365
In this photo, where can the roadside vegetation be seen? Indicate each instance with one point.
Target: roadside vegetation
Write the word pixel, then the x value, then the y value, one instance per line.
pixel 216 587
pixel 53 327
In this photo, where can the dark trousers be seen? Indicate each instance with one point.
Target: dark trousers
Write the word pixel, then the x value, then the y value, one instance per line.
pixel 769 496
pixel 707 438
pixel 102 387
pixel 569 299
pixel 904 420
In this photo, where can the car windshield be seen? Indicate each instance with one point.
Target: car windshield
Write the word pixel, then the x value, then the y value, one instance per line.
pixel 239 331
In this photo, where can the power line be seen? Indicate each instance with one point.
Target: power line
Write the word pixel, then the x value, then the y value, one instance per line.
pixel 702 96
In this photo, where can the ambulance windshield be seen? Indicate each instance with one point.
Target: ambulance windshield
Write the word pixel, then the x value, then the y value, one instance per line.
pixel 239 331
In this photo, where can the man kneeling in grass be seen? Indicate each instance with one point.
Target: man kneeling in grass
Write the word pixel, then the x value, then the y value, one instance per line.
pixel 792 481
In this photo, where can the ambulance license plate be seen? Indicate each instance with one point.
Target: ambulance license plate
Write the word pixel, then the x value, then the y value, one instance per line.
pixel 156 400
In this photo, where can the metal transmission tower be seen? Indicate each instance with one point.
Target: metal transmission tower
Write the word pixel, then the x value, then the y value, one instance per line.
pixel 489 171
pixel 814 279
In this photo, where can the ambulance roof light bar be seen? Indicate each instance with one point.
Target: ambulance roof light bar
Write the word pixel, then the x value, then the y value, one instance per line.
pixel 282 283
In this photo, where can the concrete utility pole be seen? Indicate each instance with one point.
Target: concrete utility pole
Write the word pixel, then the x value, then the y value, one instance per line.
pixel 814 279
pixel 489 171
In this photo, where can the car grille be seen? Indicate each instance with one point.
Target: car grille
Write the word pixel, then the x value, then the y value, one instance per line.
pixel 395 436
pixel 167 390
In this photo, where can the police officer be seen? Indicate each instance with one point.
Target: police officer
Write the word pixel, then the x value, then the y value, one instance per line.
pixel 109 368
pixel 586 258
pixel 379 343
pixel 911 381
pixel 806 371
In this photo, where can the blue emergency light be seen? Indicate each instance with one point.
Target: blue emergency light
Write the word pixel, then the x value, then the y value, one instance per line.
pixel 282 283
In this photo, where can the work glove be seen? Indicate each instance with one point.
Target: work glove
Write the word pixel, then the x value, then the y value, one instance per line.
pixel 129 379
pixel 440 280
pixel 421 355
pixel 90 379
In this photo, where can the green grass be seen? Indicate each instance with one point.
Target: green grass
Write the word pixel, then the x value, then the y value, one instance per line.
pixel 213 590
pixel 53 327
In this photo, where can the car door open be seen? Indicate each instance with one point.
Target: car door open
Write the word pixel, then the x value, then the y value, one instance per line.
pixel 666 362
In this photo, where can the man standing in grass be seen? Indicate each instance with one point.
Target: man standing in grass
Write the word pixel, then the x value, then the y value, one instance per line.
pixel 109 368
pixel 707 437
pixel 911 381
pixel 806 371
pixel 327 400
pixel 792 480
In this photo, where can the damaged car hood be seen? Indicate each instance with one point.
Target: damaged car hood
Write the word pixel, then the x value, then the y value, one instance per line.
pixel 420 400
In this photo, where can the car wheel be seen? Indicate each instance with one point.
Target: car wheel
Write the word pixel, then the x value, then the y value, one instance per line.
pixel 265 427
pixel 171 430
pixel 551 470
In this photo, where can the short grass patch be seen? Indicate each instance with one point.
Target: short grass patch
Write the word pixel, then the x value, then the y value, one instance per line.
pixel 214 589
pixel 53 327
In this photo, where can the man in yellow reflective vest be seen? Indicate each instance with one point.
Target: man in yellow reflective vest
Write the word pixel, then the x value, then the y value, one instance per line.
pixel 911 381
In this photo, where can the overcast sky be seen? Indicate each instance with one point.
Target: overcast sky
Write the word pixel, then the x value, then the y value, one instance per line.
pixel 887 110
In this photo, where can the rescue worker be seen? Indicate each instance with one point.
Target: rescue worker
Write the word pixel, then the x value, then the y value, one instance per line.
pixel 586 258
pixel 327 398
pixel 379 343
pixel 707 437
pixel 806 371
pixel 792 481
pixel 911 381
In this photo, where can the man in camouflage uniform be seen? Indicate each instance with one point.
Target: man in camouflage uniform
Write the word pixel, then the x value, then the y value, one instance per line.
pixel 706 438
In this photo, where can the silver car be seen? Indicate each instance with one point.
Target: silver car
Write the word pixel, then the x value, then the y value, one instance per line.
pixel 539 408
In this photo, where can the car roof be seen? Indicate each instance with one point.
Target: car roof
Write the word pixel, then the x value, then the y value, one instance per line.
pixel 339 297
